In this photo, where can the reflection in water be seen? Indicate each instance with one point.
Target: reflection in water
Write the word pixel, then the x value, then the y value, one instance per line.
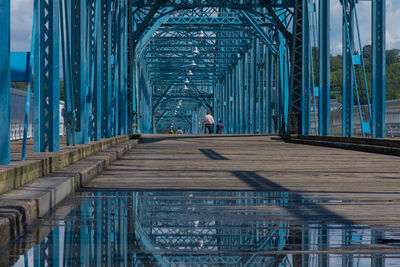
pixel 200 229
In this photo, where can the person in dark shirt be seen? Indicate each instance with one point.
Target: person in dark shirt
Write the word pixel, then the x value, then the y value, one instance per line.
pixel 220 127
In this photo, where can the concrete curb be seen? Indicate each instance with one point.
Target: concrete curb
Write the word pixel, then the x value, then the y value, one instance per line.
pixel 23 206
pixel 12 177
pixel 378 146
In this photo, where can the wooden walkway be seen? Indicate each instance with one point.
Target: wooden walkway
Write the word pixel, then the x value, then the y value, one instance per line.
pixel 357 187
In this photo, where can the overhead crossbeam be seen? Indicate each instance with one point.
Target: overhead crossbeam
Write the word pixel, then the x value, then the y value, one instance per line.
pixel 264 36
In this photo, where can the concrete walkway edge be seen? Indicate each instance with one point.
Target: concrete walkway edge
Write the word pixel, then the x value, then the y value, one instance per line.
pixel 371 145
pixel 21 207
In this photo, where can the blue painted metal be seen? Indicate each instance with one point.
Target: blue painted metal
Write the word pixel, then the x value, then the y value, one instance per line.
pixel 69 110
pixel 97 75
pixel 5 82
pixel 348 76
pixel 79 66
pixel 239 61
pixel 47 92
pixel 268 41
pixel 269 69
pixel 306 71
pixel 29 79
pixel 106 20
pixel 324 67
pixel 19 63
pixel 378 68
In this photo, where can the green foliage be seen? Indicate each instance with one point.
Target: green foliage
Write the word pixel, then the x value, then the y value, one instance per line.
pixel 23 86
pixel 392 74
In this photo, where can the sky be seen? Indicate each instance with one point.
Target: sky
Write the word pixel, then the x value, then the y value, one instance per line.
pixel 21 24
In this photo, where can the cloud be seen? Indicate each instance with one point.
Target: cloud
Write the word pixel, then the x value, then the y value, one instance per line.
pixel 21 24
pixel 22 13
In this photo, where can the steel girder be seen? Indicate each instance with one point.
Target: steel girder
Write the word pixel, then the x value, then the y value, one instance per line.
pixel 166 53
pixel 348 71
pixel 236 62
pixel 213 3
pixel 95 43
pixel 5 82
pixel 324 68
pixel 378 67
pixel 47 81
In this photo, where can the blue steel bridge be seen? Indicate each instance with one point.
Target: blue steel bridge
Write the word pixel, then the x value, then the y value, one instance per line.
pixel 142 66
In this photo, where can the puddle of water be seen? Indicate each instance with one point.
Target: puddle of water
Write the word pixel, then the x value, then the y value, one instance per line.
pixel 201 229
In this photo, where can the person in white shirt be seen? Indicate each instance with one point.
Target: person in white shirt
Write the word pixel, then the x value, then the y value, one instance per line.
pixel 208 123
pixel 179 131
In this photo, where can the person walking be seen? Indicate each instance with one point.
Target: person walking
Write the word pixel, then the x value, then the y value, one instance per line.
pixel 220 127
pixel 208 122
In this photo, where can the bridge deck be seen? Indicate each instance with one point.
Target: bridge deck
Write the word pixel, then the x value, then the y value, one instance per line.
pixel 355 186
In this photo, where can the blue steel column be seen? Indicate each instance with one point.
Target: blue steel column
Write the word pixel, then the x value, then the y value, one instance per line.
pixel 116 67
pixel 79 67
pixel 269 80
pixel 47 80
pixel 5 82
pixel 378 68
pixel 247 79
pixel 254 86
pixel 106 19
pixel 97 90
pixel 241 94
pixel 348 78
pixel 261 97
pixel 324 67
pixel 306 92
pixel 237 98
pixel 251 86
pixel 234 102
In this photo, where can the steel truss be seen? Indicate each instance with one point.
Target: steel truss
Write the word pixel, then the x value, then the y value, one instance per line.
pixel 127 61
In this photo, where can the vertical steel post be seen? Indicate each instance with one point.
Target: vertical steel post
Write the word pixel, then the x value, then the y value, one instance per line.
pixel 5 82
pixel 237 97
pixel 251 85
pixel 324 67
pixel 261 97
pixel 79 65
pixel 254 77
pixel 242 110
pixel 378 68
pixel 98 87
pixel 106 72
pixel 233 95
pixel 269 80
pixel 247 79
pixel 117 51
pixel 348 78
pixel 306 90
pixel 47 80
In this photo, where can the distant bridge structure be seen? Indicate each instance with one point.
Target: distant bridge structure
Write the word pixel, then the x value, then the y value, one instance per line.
pixel 141 65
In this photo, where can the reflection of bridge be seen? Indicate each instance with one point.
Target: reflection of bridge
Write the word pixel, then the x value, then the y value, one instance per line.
pixel 228 200
pixel 193 229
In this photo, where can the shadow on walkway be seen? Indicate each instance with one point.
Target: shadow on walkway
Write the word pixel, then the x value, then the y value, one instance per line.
pixel 304 209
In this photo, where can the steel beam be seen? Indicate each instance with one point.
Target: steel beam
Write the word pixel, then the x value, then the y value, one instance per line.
pixel 348 73
pixel 47 81
pixel 305 123
pixel 79 69
pixel 5 82
pixel 324 67
pixel 378 68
